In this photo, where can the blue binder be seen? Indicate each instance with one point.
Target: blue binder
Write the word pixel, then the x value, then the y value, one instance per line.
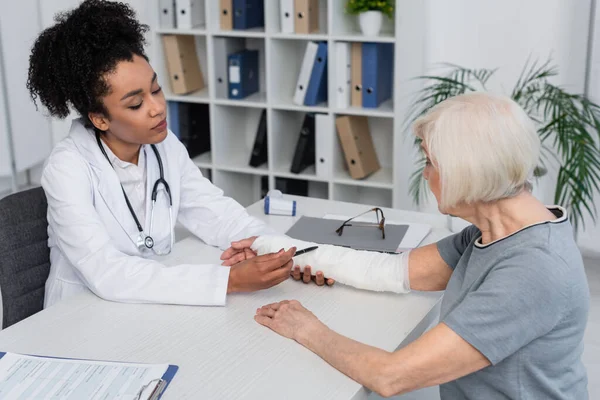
pixel 174 124
pixel 243 74
pixel 160 388
pixel 377 73
pixel 248 14
pixel 316 91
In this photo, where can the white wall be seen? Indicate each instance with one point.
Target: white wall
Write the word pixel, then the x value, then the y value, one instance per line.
pixel 503 34
pixel 589 240
pixel 19 26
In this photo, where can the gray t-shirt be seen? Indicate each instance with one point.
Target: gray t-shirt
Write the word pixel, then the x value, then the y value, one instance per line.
pixel 523 302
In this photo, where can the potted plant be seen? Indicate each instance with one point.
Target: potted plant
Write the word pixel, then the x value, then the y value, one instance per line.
pixel 370 14
pixel 568 122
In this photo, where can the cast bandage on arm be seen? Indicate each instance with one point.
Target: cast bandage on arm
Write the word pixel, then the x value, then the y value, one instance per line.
pixel 362 269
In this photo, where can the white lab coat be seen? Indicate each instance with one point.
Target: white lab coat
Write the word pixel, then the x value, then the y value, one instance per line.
pixel 92 235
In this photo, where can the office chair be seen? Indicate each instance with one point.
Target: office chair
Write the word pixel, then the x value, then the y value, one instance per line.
pixel 24 254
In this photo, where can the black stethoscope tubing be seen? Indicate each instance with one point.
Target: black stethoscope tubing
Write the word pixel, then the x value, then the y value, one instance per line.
pixel 148 242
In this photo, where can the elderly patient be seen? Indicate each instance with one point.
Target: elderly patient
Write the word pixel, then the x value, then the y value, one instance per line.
pixel 516 302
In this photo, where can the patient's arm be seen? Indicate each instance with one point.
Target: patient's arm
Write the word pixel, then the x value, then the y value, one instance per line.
pixel 428 270
pixel 361 269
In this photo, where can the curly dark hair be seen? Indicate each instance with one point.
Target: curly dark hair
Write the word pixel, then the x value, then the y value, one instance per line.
pixel 69 60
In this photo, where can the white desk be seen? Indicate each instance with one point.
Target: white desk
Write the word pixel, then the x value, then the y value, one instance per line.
pixel 221 351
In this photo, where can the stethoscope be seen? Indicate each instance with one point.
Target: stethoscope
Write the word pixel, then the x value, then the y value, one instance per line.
pixel 146 241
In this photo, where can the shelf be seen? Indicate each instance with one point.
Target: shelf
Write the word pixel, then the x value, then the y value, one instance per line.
pixel 247 33
pixel 203 160
pixel 243 169
pixel 256 100
pixel 370 196
pixel 233 122
pixel 321 108
pixel 309 174
pixel 317 37
pixel 237 160
pixel 175 31
pixel 201 96
pixel 243 188
pixel 385 110
pixel 384 37
pixel 381 179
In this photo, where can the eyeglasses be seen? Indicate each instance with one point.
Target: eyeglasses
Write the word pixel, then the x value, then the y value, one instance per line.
pixel 380 222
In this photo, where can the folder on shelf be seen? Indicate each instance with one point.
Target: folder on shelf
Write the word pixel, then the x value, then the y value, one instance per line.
pixel 305 72
pixel 166 18
pixel 377 73
pixel 248 14
pixel 357 145
pixel 342 74
pixel 259 150
pixel 223 47
pixel 226 15
pixel 173 115
pixel 185 75
pixel 306 16
pixel 304 155
pixel 297 187
pixel 190 14
pixel 286 15
pixel 264 186
pixel 317 85
pixel 324 140
pixel 356 72
pixel 195 128
pixel 243 74
pixel 191 121
pixel 81 378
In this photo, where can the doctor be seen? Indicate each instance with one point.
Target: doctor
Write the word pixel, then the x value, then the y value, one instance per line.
pixel 117 184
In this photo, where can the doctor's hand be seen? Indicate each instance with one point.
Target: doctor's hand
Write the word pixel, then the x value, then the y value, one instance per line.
pixel 238 252
pixel 260 272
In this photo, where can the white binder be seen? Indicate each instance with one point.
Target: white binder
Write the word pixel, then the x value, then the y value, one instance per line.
pixel 167 14
pixel 286 12
pixel 324 141
pixel 223 48
pixel 190 14
pixel 343 78
pixel 305 71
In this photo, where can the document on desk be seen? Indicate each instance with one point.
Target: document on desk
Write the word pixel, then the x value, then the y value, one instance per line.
pixel 31 377
pixel 398 238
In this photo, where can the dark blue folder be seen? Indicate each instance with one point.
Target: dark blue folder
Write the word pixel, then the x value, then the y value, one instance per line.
pixel 377 73
pixel 173 110
pixel 161 387
pixel 316 91
pixel 248 14
pixel 243 74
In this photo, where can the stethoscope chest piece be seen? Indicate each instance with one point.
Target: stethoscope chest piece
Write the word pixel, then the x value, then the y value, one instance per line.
pixel 149 242
pixel 144 241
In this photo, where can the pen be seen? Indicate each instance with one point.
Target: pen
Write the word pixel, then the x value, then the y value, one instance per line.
pixel 300 252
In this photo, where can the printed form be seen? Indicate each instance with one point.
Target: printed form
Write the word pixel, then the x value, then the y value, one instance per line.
pixel 30 377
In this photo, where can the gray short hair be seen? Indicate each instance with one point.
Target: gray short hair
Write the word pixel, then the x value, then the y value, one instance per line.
pixel 484 146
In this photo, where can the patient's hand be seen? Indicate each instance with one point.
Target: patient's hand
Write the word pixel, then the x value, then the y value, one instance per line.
pixel 306 276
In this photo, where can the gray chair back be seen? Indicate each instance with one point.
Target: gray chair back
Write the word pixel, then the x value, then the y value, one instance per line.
pixel 24 254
